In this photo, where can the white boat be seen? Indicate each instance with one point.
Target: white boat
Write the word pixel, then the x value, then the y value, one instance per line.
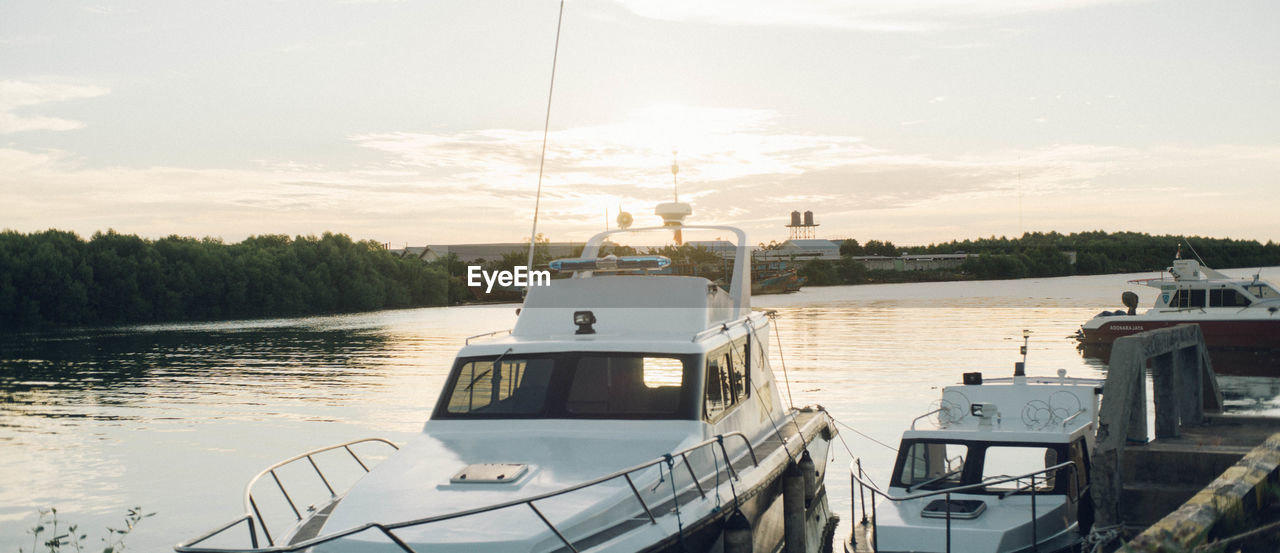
pixel 623 412
pixel 1231 312
pixel 1004 471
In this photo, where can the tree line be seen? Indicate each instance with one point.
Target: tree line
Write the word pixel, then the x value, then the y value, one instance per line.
pixel 1037 254
pixel 57 278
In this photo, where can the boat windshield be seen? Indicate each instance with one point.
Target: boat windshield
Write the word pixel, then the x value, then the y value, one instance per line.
pixel 935 465
pixel 576 385
pixel 1262 291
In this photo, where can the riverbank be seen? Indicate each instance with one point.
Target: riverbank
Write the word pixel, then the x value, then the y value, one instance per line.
pixel 57 279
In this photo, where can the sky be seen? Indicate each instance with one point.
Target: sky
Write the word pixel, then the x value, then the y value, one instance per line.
pixel 421 121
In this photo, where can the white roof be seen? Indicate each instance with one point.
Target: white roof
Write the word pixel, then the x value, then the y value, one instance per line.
pixel 812 244
pixel 1033 410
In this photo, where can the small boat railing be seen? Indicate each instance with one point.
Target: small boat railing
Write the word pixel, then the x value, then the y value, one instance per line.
pixel 387 529
pixel 485 335
pixel 251 506
pixel 860 483
pixel 917 419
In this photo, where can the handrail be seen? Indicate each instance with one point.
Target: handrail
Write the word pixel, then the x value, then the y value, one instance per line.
pixel 1072 417
pixel 857 475
pixel 470 338
pixel 917 419
pixel 190 547
pixel 252 507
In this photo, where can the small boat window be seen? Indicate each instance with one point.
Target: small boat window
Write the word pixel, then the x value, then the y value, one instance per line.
pixel 1186 298
pixel 1003 462
pixel 1227 297
pixel 932 465
pixel 1262 291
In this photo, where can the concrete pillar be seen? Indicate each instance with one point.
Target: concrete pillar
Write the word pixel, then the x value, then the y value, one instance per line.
pixel 1166 399
pixel 1190 396
pixel 793 511
pixel 1136 432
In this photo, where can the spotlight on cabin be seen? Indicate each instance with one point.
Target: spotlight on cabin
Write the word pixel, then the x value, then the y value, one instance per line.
pixel 584 320
pixel 973 379
pixel 984 412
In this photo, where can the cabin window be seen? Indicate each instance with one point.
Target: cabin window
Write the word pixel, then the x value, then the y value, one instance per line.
pixel 726 383
pixel 574 385
pixel 716 399
pixel 1185 299
pixel 1262 291
pixel 501 387
pixel 636 386
pixel 1081 464
pixel 933 465
pixel 930 465
pixel 1002 462
pixel 1227 297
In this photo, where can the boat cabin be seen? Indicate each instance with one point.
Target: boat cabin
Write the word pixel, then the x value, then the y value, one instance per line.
pixel 1006 467
pixel 1194 286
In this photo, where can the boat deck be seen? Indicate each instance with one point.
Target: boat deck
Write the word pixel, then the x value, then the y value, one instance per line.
pixel 861 535
pixel 805 423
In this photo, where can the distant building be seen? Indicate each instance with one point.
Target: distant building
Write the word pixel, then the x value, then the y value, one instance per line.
pixel 468 253
pixel 722 248
pixel 805 249
pixel 923 262
pixel 482 252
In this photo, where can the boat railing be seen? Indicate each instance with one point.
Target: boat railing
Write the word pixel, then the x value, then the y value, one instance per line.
pixel 251 505
pixel 917 419
pixel 485 335
pixel 671 460
pixel 1068 420
pixel 860 484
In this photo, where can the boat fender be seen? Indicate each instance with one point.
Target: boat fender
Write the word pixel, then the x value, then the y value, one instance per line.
pixel 810 473
pixel 737 533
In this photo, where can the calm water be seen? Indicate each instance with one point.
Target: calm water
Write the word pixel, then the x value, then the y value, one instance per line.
pixel 177 418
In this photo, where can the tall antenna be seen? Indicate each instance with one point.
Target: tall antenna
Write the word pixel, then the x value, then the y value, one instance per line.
pixel 1193 251
pixel 1020 228
pixel 537 202
pixel 675 168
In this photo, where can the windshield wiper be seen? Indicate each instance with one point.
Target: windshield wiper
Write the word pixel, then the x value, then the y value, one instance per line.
pixel 487 371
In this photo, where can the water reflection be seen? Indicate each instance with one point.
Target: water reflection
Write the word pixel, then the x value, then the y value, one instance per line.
pixel 178 417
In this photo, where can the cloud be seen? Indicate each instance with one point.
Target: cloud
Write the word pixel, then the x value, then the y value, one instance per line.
pixel 16 95
pixel 737 166
pixel 863 15
pixel 710 144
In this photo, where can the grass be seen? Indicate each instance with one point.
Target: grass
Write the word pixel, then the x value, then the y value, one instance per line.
pixel 58 539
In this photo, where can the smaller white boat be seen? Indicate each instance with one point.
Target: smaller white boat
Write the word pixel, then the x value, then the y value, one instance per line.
pixel 1231 312
pixel 1004 471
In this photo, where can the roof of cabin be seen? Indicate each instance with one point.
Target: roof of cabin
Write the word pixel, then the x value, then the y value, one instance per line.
pixel 637 306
